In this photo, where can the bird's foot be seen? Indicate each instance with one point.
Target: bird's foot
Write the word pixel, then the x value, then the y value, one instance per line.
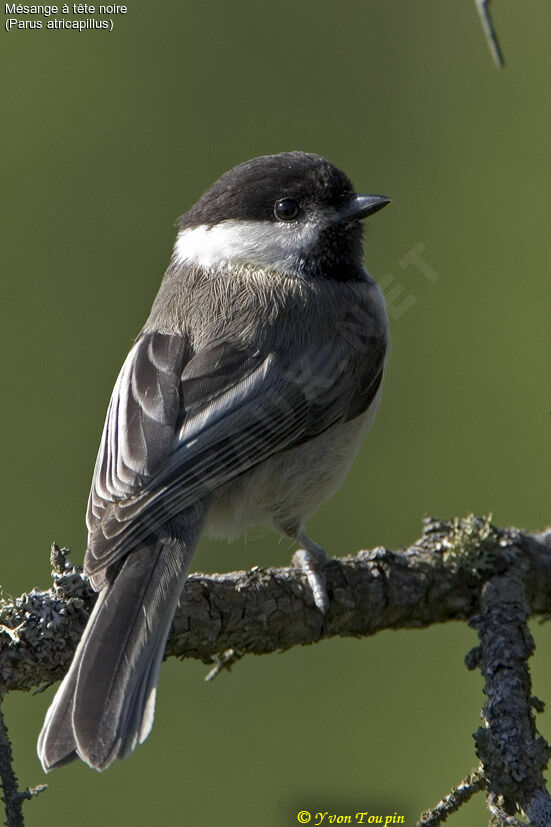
pixel 311 559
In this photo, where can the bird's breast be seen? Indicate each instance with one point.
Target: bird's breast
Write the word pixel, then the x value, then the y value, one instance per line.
pixel 289 487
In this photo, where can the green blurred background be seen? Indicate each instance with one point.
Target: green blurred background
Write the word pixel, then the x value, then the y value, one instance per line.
pixel 107 138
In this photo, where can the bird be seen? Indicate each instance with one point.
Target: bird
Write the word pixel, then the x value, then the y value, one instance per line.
pixel 242 402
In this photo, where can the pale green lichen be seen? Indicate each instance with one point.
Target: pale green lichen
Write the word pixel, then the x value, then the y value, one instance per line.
pixel 470 544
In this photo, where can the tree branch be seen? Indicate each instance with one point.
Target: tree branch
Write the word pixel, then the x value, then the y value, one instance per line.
pixel 439 578
pixel 466 569
pixel 512 755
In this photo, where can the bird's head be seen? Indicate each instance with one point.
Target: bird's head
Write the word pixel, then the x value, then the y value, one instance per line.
pixel 294 212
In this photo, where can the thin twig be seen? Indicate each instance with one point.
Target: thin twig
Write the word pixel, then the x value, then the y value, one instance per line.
pixel 473 783
pixel 483 8
pixel 223 662
pixel 499 816
pixel 13 802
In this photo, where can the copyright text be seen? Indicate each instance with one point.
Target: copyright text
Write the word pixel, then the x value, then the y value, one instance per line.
pixel 317 819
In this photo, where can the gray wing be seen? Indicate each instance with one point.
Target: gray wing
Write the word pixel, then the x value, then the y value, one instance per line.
pixel 177 428
pixel 140 423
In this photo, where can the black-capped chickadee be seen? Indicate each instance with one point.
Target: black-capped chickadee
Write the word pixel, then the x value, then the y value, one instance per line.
pixel 243 401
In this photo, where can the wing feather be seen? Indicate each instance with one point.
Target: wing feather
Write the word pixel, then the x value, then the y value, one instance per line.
pixel 180 425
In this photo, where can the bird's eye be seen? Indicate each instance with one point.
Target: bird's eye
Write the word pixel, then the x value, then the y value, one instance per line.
pixel 286 209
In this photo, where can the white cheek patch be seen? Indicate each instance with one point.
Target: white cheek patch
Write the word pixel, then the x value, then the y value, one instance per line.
pixel 259 243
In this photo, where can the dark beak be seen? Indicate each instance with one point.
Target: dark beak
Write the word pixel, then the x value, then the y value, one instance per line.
pixel 360 206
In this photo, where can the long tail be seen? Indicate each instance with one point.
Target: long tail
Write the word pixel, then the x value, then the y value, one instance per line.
pixel 106 702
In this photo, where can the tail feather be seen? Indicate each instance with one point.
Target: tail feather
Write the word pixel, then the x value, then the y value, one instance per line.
pixel 58 719
pixel 105 705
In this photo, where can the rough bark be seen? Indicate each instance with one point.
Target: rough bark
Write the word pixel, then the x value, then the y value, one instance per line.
pixel 465 570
